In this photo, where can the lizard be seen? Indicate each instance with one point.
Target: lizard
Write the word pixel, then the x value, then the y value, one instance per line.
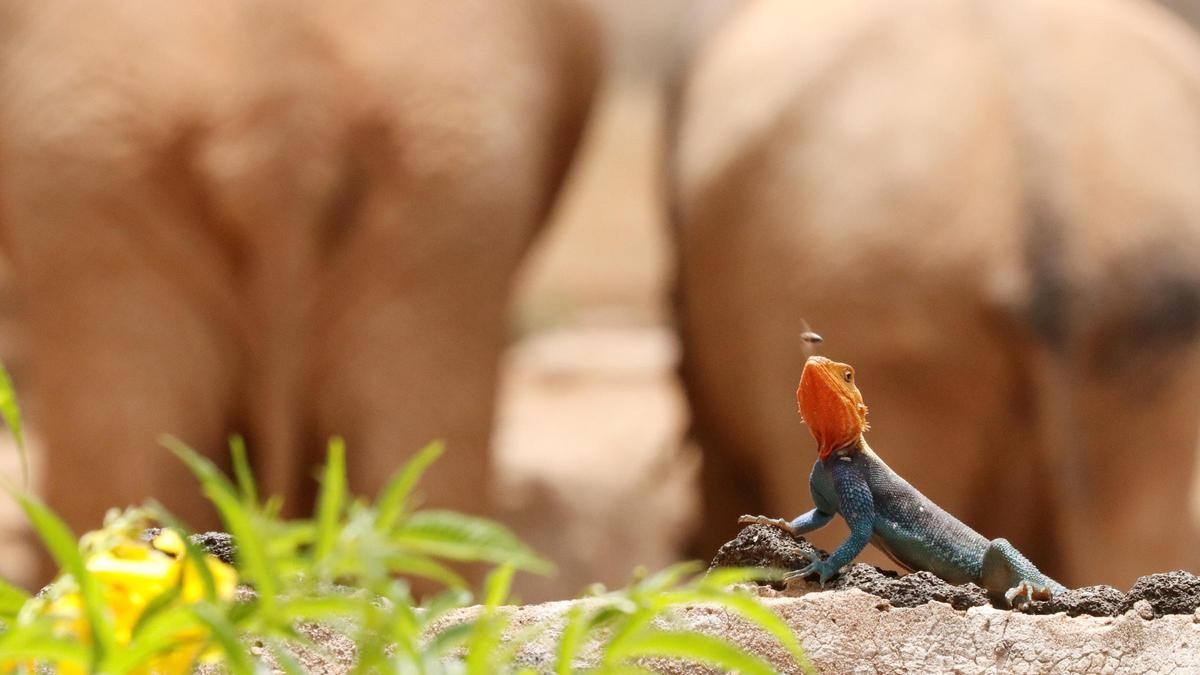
pixel 882 508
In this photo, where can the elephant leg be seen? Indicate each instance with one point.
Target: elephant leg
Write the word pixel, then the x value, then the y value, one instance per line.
pixel 402 357
pixel 127 330
pixel 118 361
pixel 1122 458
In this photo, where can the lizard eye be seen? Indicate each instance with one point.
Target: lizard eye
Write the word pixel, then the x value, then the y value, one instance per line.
pixel 848 376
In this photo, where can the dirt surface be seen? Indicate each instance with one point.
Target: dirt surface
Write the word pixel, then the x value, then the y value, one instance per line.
pixel 1152 596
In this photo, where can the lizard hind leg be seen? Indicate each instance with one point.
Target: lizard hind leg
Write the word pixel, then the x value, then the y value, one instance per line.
pixel 1009 576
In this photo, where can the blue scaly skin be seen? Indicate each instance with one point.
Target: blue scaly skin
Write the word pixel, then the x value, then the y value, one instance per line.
pixel 884 509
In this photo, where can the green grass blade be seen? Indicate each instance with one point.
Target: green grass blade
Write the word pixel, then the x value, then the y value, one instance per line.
pixel 11 412
pixel 448 639
pixel 63 547
pixel 239 521
pixel 482 645
pixel 455 536
pixel 404 631
pixel 498 584
pixel 197 559
pixel 416 565
pixel 443 603
pixel 508 651
pixel 156 634
pixel 157 606
pixel 395 498
pixel 625 629
pixel 696 648
pixel 318 609
pixel 489 627
pixel 37 642
pixel 242 471
pixel 669 577
pixel 12 599
pixel 236 656
pixel 575 629
pixel 331 500
pixel 759 614
pixel 287 661
pixel 195 555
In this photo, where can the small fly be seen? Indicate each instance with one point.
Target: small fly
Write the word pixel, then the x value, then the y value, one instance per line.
pixel 810 339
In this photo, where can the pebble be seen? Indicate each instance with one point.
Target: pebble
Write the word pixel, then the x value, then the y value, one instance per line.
pixel 1144 609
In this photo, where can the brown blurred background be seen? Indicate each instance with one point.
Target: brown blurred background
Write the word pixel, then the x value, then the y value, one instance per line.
pixel 593 462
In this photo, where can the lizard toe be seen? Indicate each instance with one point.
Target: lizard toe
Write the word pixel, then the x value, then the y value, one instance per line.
pixel 803 572
pixel 821 568
pixel 1041 592
pixel 1020 595
pixel 770 522
pixel 826 571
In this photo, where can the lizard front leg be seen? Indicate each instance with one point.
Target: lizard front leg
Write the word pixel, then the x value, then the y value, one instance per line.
pixel 857 506
pixel 802 524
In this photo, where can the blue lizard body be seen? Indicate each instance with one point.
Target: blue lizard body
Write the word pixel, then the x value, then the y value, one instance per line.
pixel 903 523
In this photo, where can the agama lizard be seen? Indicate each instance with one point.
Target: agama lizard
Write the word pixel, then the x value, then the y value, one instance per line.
pixel 882 508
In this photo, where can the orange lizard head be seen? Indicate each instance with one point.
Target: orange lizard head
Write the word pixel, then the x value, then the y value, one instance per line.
pixel 831 404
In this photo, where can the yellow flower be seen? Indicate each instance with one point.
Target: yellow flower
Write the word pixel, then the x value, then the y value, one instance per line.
pixel 131 574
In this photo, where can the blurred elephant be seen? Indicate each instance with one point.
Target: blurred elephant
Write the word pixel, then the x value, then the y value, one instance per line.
pixel 992 210
pixel 290 219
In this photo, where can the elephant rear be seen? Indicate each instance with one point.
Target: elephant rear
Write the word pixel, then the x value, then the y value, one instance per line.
pixel 289 219
pixel 990 209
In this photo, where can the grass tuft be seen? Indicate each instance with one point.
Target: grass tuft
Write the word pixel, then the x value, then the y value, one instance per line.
pixel 127 605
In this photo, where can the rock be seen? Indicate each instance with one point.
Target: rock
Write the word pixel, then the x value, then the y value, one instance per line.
pixel 1143 609
pixel 219 544
pixel 765 546
pixel 1175 592
pixel 911 590
pixel 846 632
pixel 1090 600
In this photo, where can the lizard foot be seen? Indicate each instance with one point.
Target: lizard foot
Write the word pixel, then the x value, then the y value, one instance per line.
pixel 770 522
pixel 822 568
pixel 1023 593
